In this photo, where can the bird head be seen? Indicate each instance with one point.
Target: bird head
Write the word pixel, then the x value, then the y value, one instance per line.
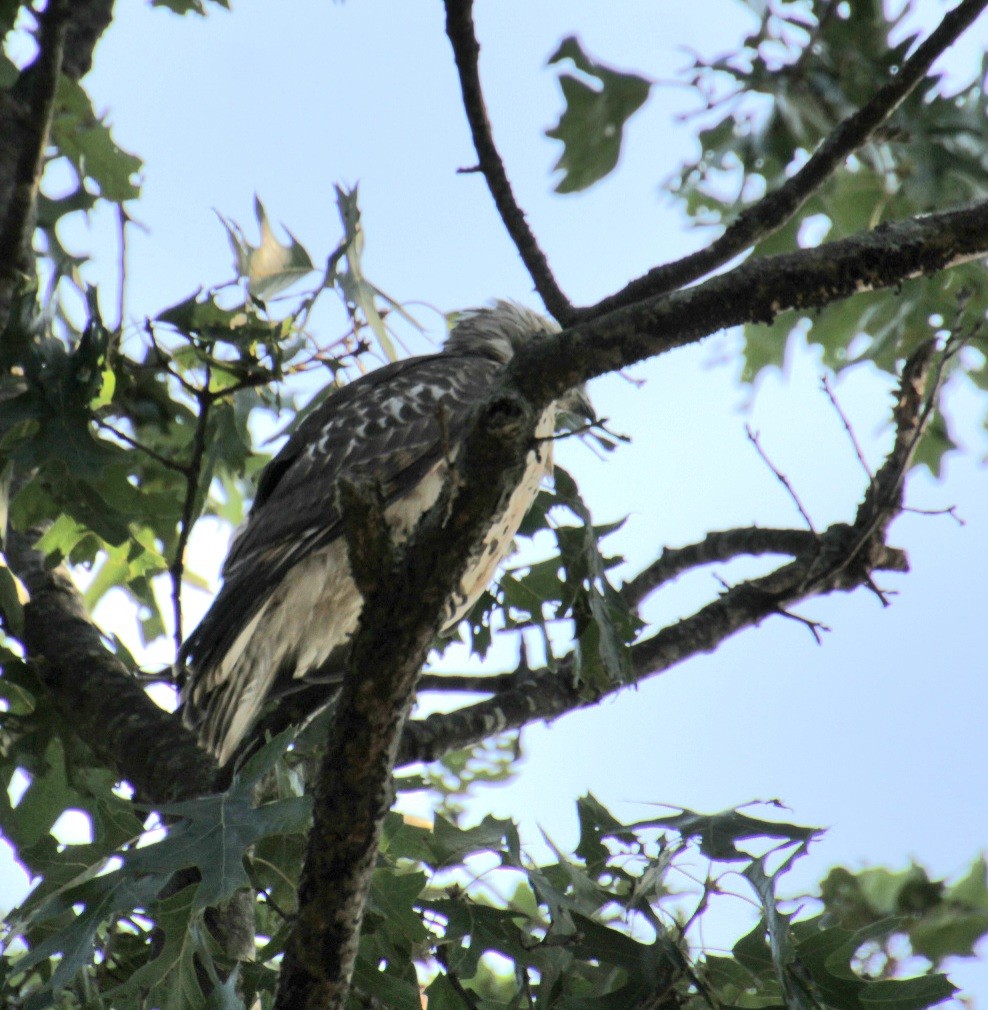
pixel 500 329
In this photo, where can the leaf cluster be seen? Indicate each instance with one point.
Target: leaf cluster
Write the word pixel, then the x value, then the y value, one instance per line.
pixel 765 108
pixel 114 894
pixel 773 102
pixel 466 916
pixel 572 584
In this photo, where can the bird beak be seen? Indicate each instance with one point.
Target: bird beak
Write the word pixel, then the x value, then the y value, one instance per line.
pixel 574 410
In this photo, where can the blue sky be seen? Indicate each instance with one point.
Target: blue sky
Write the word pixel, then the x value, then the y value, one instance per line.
pixel 879 732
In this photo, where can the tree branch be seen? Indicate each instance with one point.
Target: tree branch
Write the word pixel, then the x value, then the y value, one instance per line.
pixel 193 477
pixel 776 208
pixel 756 291
pixel 466 50
pixel 780 477
pixel 722 546
pixel 94 691
pixel 90 686
pixel 469 683
pixel 842 558
pixel 401 616
pixel 19 208
pixel 545 694
pixel 69 32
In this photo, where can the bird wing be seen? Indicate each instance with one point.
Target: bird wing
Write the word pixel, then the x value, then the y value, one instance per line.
pixel 392 425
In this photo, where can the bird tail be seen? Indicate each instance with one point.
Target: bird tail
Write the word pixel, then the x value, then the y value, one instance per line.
pixel 222 702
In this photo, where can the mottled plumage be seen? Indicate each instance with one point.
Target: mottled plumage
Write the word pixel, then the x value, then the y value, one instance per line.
pixel 288 605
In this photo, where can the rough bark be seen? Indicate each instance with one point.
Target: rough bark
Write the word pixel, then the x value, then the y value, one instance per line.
pixel 95 691
pixel 404 596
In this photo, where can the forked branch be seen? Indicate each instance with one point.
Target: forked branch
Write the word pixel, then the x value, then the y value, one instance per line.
pixel 775 209
pixel 841 558
pixel 754 223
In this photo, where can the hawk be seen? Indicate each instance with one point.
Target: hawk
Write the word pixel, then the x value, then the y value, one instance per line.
pixel 288 605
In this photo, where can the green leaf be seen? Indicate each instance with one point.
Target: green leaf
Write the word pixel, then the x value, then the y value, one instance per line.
pixel 591 127
pixel 907 994
pixel 357 290
pixel 719 833
pixel 87 143
pixel 103 899
pixel 392 896
pixel 948 932
pixel 596 823
pixel 385 987
pixel 61 537
pixel 214 832
pixel 604 624
pixel 8 15
pixel 13 596
pixel 971 891
pixel 271 266
pixel 452 843
pixel 753 953
pixel 443 995
pixel 200 315
pixel 170 979
pixel 788 971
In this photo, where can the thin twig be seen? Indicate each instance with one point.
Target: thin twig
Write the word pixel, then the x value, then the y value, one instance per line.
pixel 815 627
pixel 950 511
pixel 122 222
pixel 823 19
pixel 776 208
pixel 466 50
pixel 165 361
pixel 169 464
pixel 193 476
pixel 780 476
pixel 832 396
pixel 916 400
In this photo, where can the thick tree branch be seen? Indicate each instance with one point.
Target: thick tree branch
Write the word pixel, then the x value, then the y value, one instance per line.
pixel 68 35
pixel 95 693
pixel 402 613
pixel 469 683
pixel 753 224
pixel 776 208
pixel 544 695
pixel 842 558
pixel 756 291
pixel 19 208
pixel 466 50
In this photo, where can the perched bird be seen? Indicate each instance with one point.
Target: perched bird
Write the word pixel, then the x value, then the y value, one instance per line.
pixel 288 605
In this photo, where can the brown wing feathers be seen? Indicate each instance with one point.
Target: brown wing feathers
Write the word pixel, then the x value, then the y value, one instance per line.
pixel 386 424
pixel 288 604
